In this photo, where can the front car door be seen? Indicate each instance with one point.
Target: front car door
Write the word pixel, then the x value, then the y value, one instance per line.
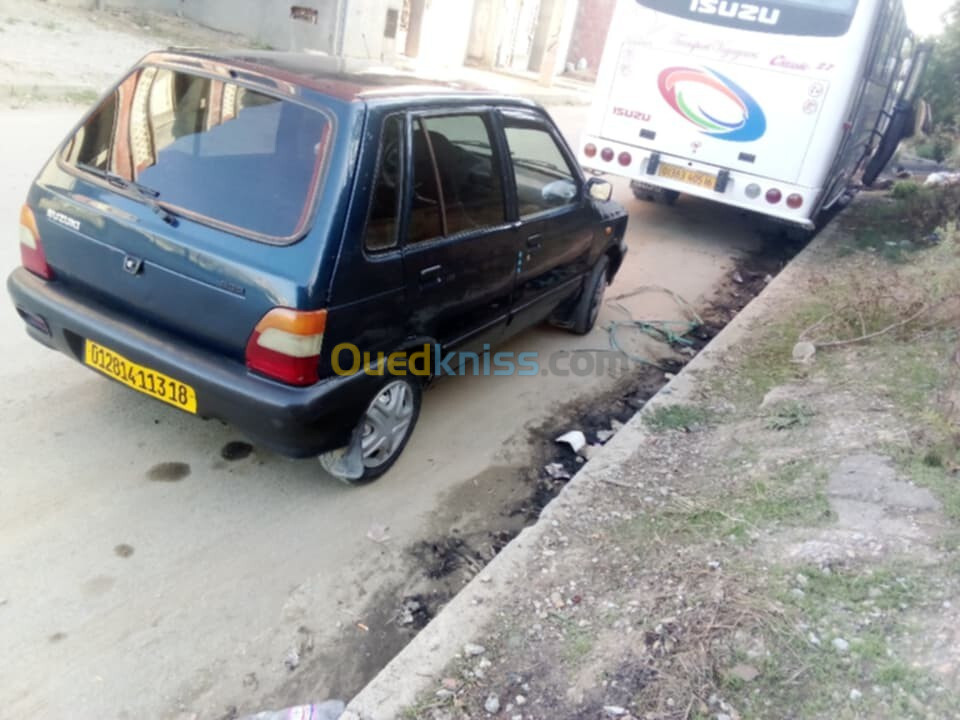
pixel 459 251
pixel 554 220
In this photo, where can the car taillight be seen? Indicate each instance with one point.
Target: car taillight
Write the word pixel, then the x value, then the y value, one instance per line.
pixel 774 196
pixel 624 159
pixel 607 154
pixel 31 249
pixel 795 201
pixel 286 345
pixel 590 150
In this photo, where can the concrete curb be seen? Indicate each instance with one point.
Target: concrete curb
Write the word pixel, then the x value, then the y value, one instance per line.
pixel 417 668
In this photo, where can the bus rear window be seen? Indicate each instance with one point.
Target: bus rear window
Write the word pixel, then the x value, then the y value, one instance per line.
pixel 218 151
pixel 822 18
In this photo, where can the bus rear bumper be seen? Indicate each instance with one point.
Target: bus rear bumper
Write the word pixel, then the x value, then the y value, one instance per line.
pixel 691 177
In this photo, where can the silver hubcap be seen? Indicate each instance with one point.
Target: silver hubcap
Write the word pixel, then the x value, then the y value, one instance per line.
pixel 386 423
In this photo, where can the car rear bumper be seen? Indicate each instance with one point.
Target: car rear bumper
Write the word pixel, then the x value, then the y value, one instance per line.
pixel 297 422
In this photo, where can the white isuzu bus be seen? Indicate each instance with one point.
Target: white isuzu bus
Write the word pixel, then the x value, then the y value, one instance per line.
pixel 778 106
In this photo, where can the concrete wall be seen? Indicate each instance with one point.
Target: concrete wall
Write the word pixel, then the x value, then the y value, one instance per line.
pixel 445 32
pixel 590 33
pixel 268 22
pixel 352 28
pixel 494 31
pixel 364 29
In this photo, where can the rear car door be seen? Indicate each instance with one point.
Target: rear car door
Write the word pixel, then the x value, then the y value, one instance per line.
pixel 554 222
pixel 459 252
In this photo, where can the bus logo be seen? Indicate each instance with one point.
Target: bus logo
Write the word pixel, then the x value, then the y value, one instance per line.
pixel 741 11
pixel 714 103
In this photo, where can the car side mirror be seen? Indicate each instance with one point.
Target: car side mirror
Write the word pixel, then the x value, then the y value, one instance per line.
pixel 559 192
pixel 599 190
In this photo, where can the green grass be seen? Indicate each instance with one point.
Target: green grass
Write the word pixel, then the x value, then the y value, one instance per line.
pixel 578 642
pixel 766 359
pixel 678 417
pixel 915 377
pixel 815 680
pixel 577 645
pixel 885 229
pixel 791 496
pixel 789 415
pixel 945 485
pixel 911 373
pixel 883 588
pixel 81 97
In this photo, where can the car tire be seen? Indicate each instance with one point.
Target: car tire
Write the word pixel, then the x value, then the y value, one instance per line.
pixel 384 429
pixel 588 306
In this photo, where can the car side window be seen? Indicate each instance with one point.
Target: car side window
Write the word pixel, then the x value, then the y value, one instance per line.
pixel 426 217
pixel 454 152
pixel 543 176
pixel 381 231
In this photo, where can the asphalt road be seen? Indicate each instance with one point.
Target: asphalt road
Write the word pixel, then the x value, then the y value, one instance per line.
pixel 127 596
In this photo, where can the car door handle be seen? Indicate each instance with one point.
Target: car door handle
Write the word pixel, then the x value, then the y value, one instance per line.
pixel 534 242
pixel 431 277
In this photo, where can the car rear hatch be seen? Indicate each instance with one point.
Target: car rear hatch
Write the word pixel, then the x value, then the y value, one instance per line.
pixel 182 200
pixel 758 120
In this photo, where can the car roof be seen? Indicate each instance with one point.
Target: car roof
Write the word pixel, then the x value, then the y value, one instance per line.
pixel 343 79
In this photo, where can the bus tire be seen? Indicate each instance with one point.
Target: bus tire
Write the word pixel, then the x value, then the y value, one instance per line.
pixel 670 197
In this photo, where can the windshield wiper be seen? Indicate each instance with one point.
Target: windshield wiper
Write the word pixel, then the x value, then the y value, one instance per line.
pixel 147 194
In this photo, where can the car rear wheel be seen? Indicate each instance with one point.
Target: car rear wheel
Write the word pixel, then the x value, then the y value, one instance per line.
pixel 381 435
pixel 588 306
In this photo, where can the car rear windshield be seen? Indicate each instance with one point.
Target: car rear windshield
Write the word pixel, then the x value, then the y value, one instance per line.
pixel 216 151
pixel 823 18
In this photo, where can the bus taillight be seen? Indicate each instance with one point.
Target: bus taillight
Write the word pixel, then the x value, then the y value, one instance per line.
pixel 606 154
pixel 625 159
pixel 590 150
pixel 774 196
pixel 795 201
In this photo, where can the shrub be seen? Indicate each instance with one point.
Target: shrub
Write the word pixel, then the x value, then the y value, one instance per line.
pixel 905 189
pixel 937 147
pixel 927 207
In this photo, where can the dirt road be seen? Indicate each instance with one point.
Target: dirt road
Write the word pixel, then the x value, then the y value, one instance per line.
pixel 144 575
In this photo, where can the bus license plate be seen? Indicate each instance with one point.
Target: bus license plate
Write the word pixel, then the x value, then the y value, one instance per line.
pixel 140 378
pixel 685 175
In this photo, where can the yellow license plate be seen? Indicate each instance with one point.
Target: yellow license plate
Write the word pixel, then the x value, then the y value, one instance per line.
pixel 685 175
pixel 149 382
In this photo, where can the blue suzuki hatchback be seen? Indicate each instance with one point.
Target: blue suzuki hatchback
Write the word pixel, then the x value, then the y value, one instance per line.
pixel 227 233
